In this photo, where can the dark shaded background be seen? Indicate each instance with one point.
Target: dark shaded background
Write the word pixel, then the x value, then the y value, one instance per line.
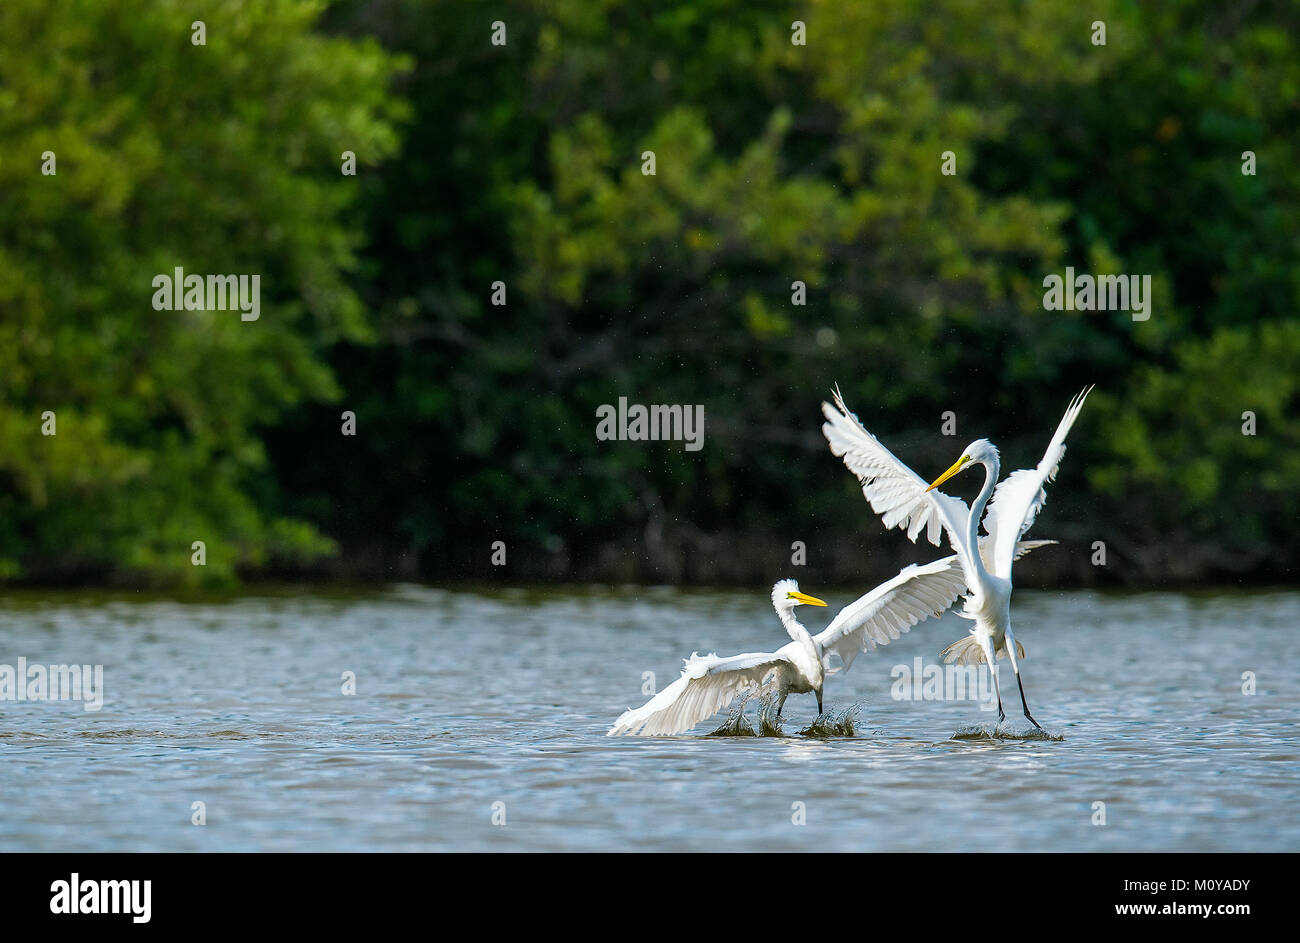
pixel 522 163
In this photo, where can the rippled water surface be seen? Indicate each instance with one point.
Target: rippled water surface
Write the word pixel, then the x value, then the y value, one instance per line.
pixel 466 699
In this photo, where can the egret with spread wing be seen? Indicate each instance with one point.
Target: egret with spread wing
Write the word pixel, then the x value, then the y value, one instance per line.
pixel 903 499
pixel 708 683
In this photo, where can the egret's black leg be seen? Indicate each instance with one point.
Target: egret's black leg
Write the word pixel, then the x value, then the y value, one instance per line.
pixel 819 702
pixel 1026 703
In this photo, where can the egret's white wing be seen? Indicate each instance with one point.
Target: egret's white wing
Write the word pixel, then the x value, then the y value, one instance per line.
pixel 1019 497
pixel 918 592
pixel 894 491
pixel 707 685
pixel 914 595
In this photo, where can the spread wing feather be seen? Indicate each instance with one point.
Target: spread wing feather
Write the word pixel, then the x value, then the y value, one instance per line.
pixel 892 608
pixel 894 491
pixel 708 684
pixel 917 593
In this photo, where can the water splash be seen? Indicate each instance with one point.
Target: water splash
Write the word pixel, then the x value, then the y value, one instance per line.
pixel 830 724
pixel 769 722
pixel 826 726
pixel 736 725
pixel 997 732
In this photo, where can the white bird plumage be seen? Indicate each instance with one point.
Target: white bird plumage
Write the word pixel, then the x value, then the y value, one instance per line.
pixel 903 499
pixel 708 683
pixel 891 608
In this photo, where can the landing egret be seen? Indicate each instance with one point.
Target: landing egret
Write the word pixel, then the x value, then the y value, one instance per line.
pixel 708 682
pixel 903 499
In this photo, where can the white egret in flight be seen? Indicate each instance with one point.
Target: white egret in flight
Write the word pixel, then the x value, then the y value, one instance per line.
pixel 708 683
pixel 903 499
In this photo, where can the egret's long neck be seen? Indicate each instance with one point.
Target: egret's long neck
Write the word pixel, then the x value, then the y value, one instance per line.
pixel 792 626
pixel 991 470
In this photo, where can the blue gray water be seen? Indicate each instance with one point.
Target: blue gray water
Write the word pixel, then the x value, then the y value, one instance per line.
pixel 474 706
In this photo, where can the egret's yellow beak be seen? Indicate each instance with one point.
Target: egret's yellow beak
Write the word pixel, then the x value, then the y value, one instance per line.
pixel 956 467
pixel 806 599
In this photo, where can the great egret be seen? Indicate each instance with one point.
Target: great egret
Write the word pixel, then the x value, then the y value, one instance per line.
pixel 708 682
pixel 903 499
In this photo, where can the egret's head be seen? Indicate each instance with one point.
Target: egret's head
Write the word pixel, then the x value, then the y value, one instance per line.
pixel 786 595
pixel 979 452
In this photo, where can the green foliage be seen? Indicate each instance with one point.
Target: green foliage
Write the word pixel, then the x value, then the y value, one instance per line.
pixel 522 163
pixel 1152 157
pixel 218 158
pixel 821 163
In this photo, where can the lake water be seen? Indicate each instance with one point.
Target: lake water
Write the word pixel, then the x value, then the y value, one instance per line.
pixel 475 704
